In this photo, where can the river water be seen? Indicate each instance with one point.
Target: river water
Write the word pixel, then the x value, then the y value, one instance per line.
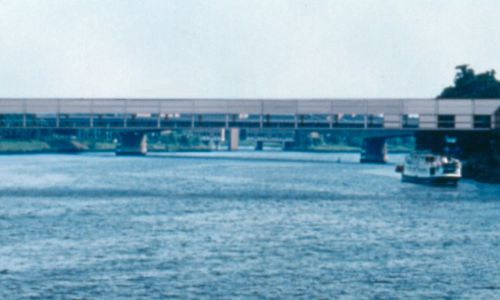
pixel 247 225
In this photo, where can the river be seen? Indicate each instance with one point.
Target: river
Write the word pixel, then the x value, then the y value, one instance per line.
pixel 247 225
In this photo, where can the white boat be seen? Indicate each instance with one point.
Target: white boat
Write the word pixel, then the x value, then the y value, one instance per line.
pixel 425 167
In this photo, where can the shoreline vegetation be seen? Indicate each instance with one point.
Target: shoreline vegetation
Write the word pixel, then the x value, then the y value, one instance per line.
pixel 40 147
pixel 35 146
pixel 485 166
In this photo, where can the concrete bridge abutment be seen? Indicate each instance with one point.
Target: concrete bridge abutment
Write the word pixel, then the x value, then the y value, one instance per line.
pixel 132 143
pixel 259 146
pixel 374 150
pixel 288 146
pixel 462 144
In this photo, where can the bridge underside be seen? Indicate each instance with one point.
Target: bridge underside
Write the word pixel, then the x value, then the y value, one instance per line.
pixel 374 149
pixel 465 143
pixel 132 143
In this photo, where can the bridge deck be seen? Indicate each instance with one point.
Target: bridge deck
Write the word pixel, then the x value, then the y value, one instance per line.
pixel 364 114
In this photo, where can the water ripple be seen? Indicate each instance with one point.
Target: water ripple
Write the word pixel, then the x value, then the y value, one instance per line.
pixel 240 225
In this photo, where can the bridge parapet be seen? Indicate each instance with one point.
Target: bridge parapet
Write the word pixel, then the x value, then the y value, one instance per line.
pixel 320 114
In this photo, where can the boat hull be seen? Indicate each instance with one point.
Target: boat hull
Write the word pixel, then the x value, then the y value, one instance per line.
pixel 436 180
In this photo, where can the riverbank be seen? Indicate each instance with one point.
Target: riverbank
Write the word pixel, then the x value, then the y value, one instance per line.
pixel 76 146
pixel 485 166
pixel 347 148
pixel 52 146
pixel 71 146
pixel 16 147
pixel 482 169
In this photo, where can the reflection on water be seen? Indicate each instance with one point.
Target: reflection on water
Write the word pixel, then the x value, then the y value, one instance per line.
pixel 246 224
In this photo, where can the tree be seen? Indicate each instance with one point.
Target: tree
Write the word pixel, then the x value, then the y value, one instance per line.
pixel 470 85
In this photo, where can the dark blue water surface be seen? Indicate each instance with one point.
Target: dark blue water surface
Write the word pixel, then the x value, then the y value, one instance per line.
pixel 245 225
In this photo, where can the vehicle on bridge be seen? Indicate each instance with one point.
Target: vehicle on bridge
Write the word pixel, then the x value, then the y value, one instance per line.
pixel 428 168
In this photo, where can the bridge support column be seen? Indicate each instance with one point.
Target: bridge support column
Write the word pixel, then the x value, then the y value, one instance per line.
pixel 465 143
pixel 374 150
pixel 234 139
pixel 288 146
pixel 259 146
pixel 132 143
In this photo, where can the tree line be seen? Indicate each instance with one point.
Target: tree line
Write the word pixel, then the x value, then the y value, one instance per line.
pixel 471 85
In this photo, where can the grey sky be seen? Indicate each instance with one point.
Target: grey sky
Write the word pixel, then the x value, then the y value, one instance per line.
pixel 242 48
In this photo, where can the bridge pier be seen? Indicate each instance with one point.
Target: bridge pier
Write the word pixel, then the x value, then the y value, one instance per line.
pixel 374 150
pixel 132 143
pixel 288 146
pixel 465 145
pixel 259 146
pixel 234 139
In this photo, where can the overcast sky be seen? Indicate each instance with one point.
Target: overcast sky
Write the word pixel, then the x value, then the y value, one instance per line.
pixel 242 48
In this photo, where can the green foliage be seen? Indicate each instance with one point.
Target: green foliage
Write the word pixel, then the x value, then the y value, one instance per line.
pixel 23 146
pixel 470 85
pixel 175 141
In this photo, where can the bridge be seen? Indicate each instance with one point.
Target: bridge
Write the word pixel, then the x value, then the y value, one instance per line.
pixel 376 119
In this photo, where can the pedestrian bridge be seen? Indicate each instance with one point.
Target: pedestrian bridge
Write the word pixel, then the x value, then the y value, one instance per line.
pixel 317 114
